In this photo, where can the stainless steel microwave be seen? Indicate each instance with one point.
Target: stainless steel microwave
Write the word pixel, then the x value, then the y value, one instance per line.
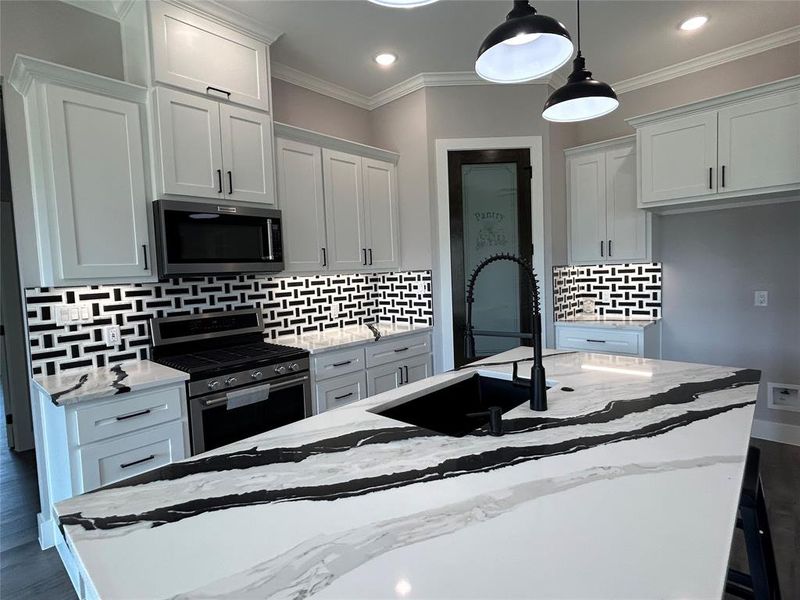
pixel 210 238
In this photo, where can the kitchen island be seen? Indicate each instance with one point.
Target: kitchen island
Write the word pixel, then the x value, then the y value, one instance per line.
pixel 627 487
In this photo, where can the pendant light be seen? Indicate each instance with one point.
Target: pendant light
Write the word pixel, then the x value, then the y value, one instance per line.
pixel 582 97
pixel 402 3
pixel 524 47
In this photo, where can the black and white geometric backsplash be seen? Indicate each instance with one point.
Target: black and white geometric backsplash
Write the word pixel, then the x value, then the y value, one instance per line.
pixel 628 290
pixel 289 305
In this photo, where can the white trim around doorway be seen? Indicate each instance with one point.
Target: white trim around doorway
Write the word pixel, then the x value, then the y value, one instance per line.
pixel 442 280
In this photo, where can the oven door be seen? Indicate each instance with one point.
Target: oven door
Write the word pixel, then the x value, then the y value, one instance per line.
pixel 227 417
pixel 195 237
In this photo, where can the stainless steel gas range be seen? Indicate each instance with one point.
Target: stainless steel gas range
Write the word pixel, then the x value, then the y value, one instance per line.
pixel 239 385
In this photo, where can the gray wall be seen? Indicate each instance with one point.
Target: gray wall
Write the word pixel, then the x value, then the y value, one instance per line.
pixel 714 261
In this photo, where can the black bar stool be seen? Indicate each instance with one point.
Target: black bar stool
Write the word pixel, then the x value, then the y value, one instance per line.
pixel 762 581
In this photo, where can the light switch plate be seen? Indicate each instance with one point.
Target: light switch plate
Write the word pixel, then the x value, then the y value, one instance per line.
pixel 761 298
pixel 70 314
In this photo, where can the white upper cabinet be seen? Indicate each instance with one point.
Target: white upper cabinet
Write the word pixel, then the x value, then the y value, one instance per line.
pixel 344 209
pixel 302 205
pixel 206 149
pixel 605 224
pixel 380 213
pixel 759 143
pixel 247 155
pixel 189 145
pixel 723 151
pixel 199 55
pixel 88 168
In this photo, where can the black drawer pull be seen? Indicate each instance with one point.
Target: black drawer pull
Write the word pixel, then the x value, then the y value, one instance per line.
pixel 136 414
pixel 341 364
pixel 723 175
pixel 230 182
pixel 324 257
pixel 406 368
pixel 609 247
pixel 343 396
pixel 364 259
pixel 403 349
pixel 137 462
pixel 710 178
pixel 144 251
pixel 219 181
pixel 597 341
pixel 214 89
pixel 370 256
pixel 601 248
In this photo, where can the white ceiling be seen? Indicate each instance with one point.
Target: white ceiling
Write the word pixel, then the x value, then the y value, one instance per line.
pixel 335 40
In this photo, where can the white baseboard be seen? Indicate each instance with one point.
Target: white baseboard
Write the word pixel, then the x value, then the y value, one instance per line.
pixel 47 529
pixel 776 432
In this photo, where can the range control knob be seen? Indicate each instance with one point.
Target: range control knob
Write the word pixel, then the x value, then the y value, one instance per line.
pixel 294 367
pixel 256 374
pixel 280 369
pixel 213 384
pixel 230 381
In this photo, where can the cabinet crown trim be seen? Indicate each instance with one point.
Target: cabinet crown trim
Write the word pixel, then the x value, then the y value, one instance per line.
pixel 232 19
pixel 298 134
pixel 28 70
pixel 602 145
pixel 717 101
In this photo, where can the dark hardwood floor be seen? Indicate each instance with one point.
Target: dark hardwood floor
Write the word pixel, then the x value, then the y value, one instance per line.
pixel 28 573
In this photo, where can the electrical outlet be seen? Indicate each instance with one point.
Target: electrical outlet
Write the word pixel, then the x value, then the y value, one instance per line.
pixel 335 311
pixel 111 335
pixel 761 298
pixel 420 287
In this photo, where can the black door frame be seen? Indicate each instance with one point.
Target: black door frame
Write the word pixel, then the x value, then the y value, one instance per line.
pixel 455 160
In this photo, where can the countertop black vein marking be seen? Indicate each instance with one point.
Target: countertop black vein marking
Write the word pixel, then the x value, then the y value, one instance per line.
pixel 55 396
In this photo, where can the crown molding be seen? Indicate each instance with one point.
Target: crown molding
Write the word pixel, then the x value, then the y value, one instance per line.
pixel 110 9
pixel 712 59
pixel 320 86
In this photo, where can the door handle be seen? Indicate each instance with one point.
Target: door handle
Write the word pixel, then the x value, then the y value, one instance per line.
pixel 132 415
pixel 370 256
pixel 137 462
pixel 215 89
pixel 406 368
pixel 144 251
pixel 219 181
pixel 403 349
pixel 324 257
pixel 711 178
pixel 230 182
pixel 401 374
pixel 723 175
pixel 601 248
pixel 343 396
pixel 609 248
pixel 270 249
pixel 341 364
pixel 364 260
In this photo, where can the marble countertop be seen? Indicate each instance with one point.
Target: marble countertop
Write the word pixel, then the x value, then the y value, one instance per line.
pixel 343 337
pixel 71 387
pixel 631 477
pixel 610 321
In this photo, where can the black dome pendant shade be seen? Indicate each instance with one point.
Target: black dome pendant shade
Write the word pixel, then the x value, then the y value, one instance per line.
pixel 582 97
pixel 524 47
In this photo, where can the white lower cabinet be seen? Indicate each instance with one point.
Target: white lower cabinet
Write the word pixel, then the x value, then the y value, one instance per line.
pixel 338 391
pixel 635 341
pixel 384 378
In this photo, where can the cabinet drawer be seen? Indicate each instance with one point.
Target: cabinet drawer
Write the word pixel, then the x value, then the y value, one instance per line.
pixel 112 460
pixel 341 390
pixel 127 413
pixel 599 340
pixel 332 364
pixel 397 349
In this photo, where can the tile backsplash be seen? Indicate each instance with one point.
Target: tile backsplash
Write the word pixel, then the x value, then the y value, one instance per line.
pixel 289 305
pixel 627 290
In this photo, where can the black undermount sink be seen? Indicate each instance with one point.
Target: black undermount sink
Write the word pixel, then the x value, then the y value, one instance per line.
pixel 459 408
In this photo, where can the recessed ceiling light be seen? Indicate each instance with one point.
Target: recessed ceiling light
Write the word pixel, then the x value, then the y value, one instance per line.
pixel 694 23
pixel 385 59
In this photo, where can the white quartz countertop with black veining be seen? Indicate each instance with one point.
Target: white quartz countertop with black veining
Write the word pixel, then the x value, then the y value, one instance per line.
pixel 80 385
pixel 627 487
pixel 338 338
pixel 607 321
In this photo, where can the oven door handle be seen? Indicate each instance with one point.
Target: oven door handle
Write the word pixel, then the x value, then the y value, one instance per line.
pixel 267 387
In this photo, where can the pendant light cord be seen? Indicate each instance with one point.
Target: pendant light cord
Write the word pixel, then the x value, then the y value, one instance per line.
pixel 579 27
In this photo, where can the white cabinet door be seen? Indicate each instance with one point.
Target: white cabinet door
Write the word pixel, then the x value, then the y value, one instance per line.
pixel 190 149
pixel 344 210
pixel 204 57
pixel 759 143
pixel 99 185
pixel 381 214
pixel 417 368
pixel 384 378
pixel 679 158
pixel 626 223
pixel 336 392
pixel 302 205
pixel 587 205
pixel 247 155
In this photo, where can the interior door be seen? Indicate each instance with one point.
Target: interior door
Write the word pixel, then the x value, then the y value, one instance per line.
pixel 191 150
pixel 247 155
pixel 679 158
pixel 759 143
pixel 344 210
pixel 100 199
pixel 490 213
pixel 381 213
pixel 302 206
pixel 587 205
pixel 626 224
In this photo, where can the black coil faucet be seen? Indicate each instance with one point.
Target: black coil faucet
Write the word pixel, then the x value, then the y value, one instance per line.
pixel 538 382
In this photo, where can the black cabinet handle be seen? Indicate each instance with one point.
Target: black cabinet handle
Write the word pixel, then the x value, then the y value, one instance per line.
pixel 723 175
pixel 401 374
pixel 219 181
pixel 406 368
pixel 364 260
pixel 215 89
pixel 601 248
pixel 136 414
pixel 403 349
pixel 341 364
pixel 343 396
pixel 597 341
pixel 137 462
pixel 144 251
pixel 370 256
pixel 230 182
pixel 324 257
pixel 609 247
pixel 710 178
